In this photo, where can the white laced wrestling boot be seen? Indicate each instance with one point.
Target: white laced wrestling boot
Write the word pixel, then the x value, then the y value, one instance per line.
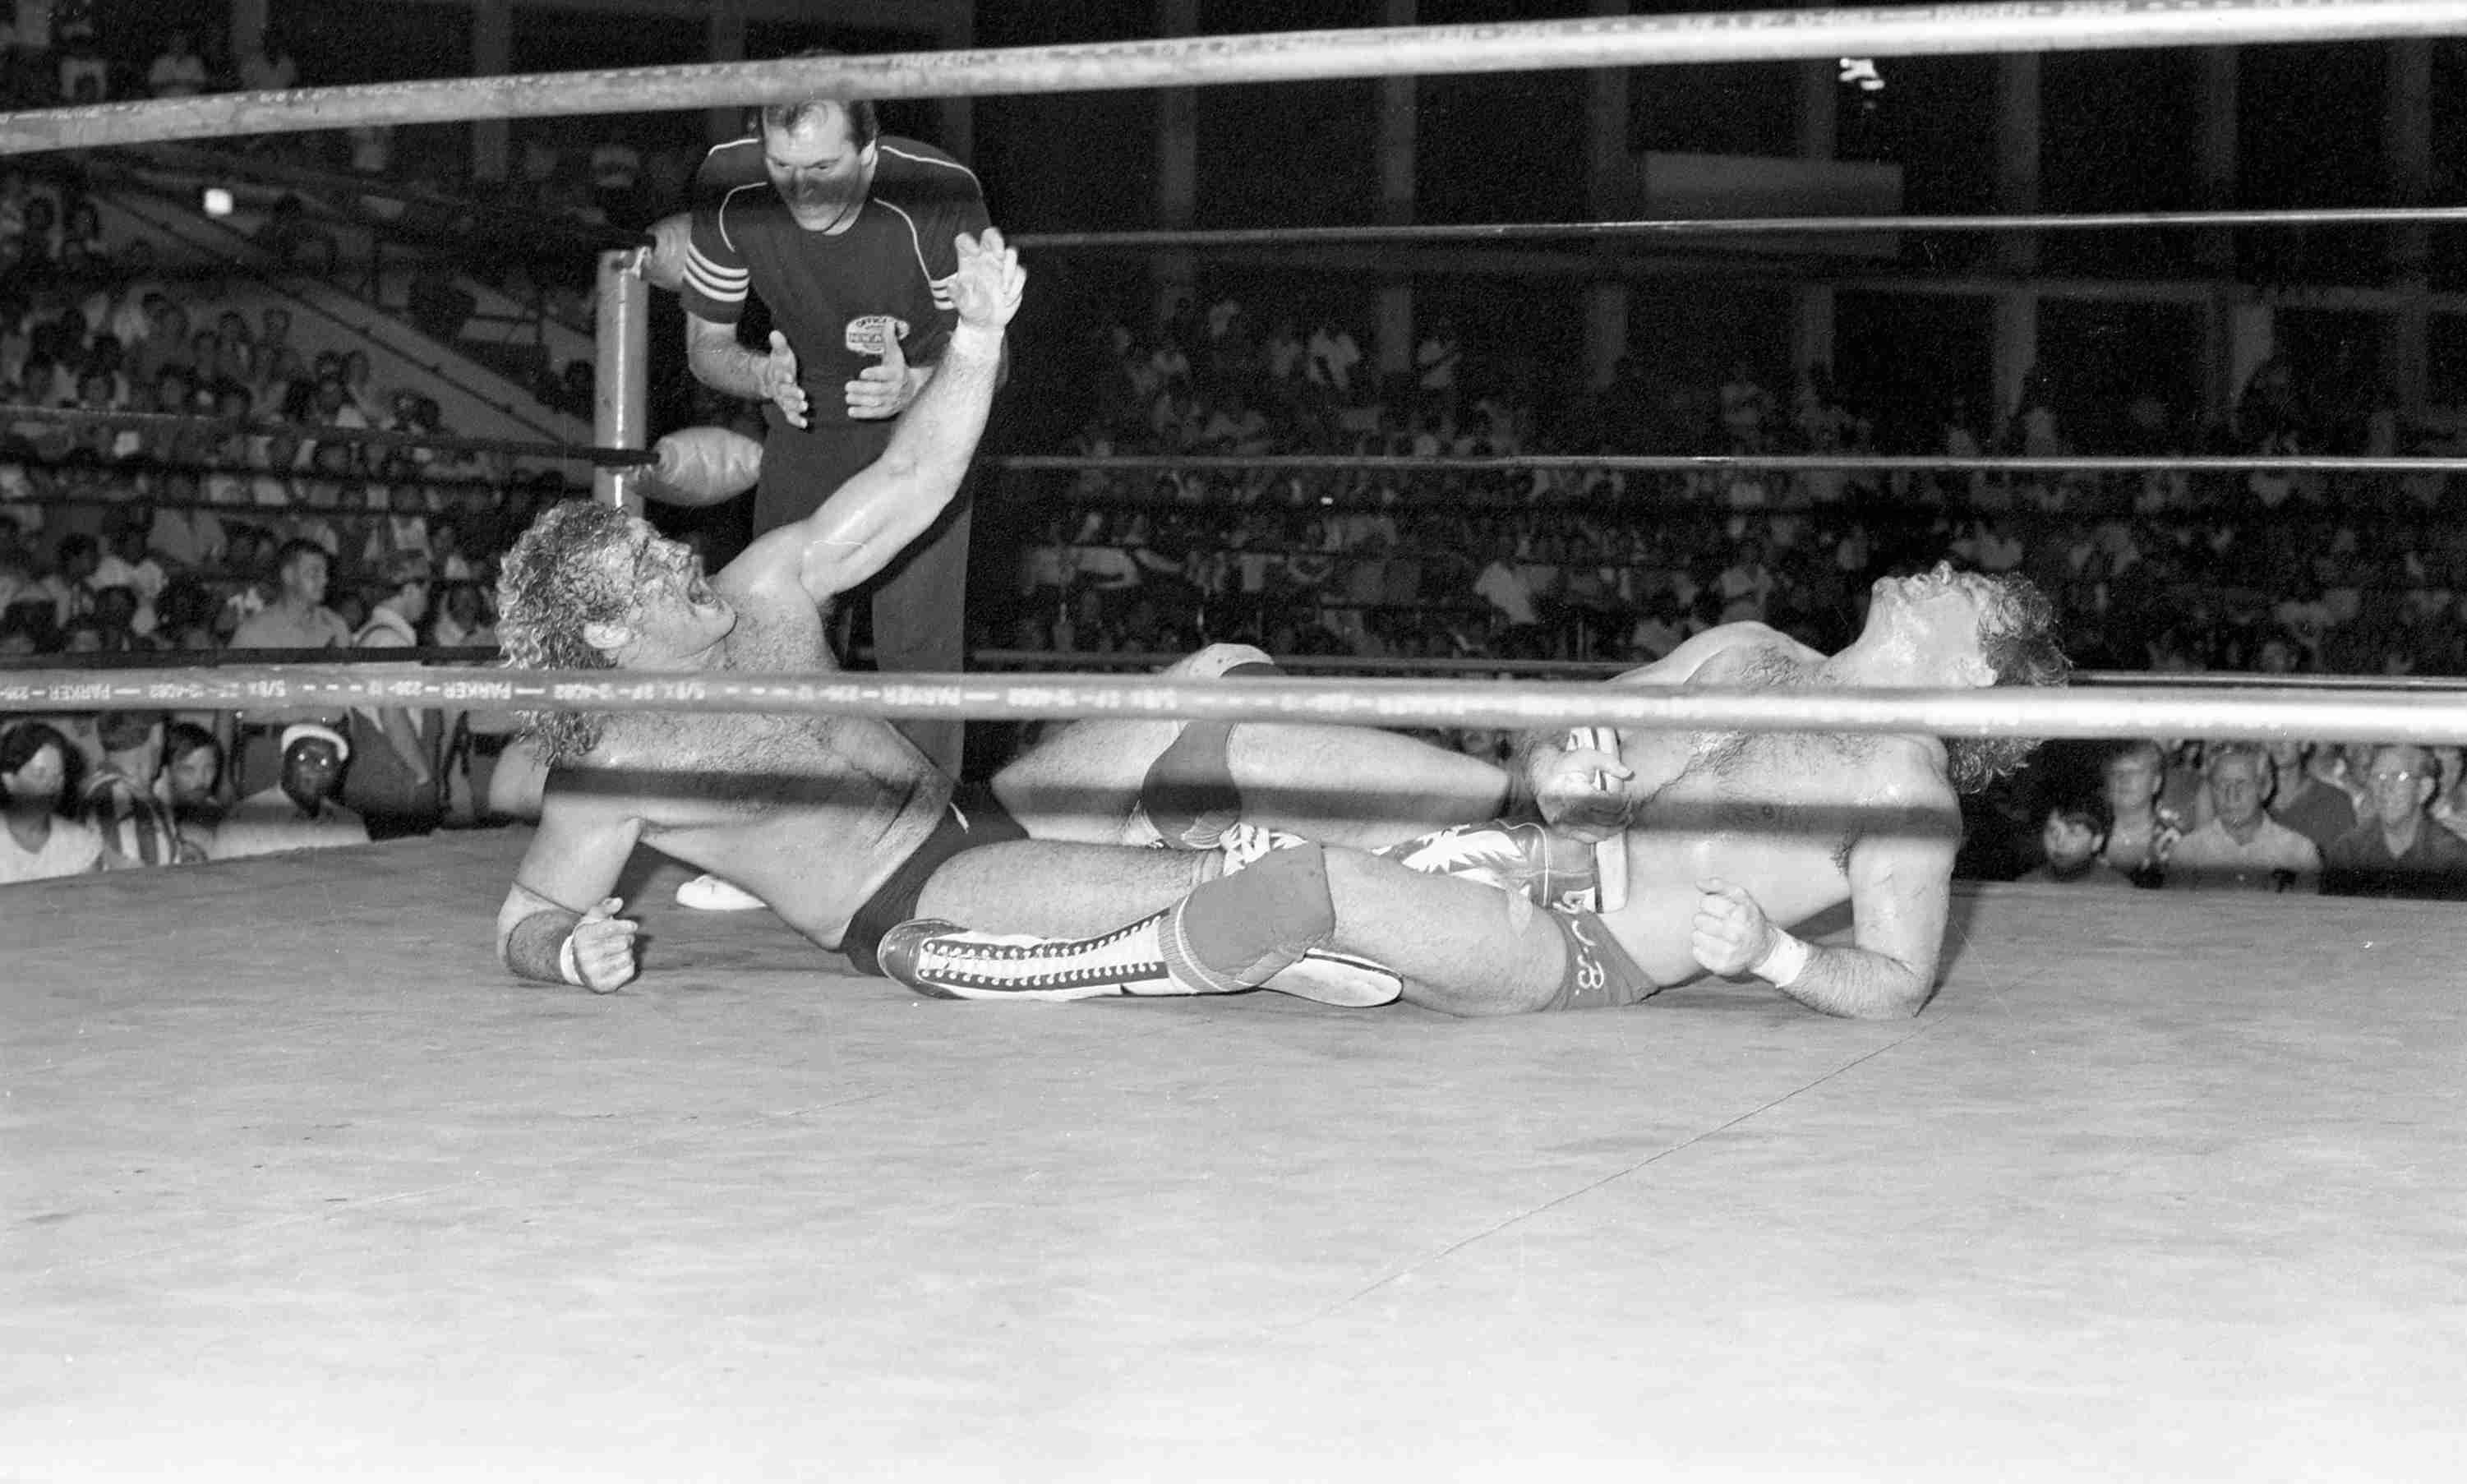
pixel 945 962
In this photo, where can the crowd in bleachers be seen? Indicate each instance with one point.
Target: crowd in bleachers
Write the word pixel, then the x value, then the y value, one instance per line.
pixel 128 539
pixel 2167 572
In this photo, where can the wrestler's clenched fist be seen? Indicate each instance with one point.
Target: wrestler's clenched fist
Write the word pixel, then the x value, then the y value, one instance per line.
pixel 1730 934
pixel 602 948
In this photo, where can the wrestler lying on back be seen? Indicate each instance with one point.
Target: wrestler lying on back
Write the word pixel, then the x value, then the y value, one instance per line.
pixel 1729 837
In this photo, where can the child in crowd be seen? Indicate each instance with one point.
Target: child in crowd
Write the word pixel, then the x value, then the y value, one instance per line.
pixel 2073 835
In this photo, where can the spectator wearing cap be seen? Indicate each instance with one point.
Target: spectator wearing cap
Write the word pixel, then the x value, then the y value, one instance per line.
pixel 302 811
pixel 298 619
pixel 2242 847
pixel 2396 849
pixel 395 785
pixel 37 841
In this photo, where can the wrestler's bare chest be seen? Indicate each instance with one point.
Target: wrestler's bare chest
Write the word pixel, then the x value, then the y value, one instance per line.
pixel 1805 788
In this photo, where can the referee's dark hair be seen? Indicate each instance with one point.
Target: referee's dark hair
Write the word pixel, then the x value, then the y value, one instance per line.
pixel 865 125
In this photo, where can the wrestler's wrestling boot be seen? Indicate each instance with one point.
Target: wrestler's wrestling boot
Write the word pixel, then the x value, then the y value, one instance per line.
pixel 1265 928
pixel 941 960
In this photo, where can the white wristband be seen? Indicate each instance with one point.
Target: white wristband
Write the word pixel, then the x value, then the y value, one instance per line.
pixel 567 966
pixel 1785 962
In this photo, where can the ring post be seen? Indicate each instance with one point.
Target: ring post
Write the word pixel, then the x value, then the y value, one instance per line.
pixel 618 398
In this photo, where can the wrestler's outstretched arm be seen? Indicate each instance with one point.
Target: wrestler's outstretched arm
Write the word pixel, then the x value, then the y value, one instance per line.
pixel 558 922
pixel 891 502
pixel 1901 891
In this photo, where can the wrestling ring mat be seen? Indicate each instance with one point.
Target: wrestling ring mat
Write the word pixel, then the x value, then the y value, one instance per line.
pixel 303 1185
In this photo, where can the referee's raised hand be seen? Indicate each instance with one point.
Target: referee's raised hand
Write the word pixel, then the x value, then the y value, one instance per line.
pixel 778 372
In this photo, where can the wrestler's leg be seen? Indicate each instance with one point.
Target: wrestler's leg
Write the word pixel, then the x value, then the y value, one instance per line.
pixel 1459 946
pixel 1082 783
pixel 1462 947
pixel 1057 889
pixel 1356 785
pixel 1346 785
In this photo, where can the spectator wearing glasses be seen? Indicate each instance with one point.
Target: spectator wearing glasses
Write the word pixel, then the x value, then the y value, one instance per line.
pixel 2396 849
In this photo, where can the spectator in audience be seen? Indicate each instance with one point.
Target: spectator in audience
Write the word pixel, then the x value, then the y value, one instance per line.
pixel 128 565
pixel 71 584
pixel 2396 849
pixel 2300 801
pixel 177 71
pixel 2242 847
pixel 267 67
pixel 114 620
pixel 2140 832
pixel 2073 835
pixel 123 799
pixel 85 74
pixel 40 841
pixel 298 619
pixel 462 620
pixel 300 812
pixel 192 785
pixel 395 785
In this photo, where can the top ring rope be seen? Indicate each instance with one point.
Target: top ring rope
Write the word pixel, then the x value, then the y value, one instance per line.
pixel 1733 226
pixel 1285 56
pixel 2273 715
pixel 1675 464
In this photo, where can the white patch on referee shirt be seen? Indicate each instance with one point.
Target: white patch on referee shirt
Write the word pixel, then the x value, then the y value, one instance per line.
pixel 865 333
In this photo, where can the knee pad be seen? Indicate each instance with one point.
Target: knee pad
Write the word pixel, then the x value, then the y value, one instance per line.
pixel 1264 917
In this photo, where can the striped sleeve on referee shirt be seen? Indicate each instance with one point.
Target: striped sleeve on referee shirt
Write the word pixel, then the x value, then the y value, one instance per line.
pixel 716 277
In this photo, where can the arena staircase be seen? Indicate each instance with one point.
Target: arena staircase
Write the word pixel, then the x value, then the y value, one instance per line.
pixel 481 366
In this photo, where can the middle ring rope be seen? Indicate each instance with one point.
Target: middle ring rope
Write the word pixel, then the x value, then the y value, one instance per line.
pixel 382 437
pixel 2431 718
